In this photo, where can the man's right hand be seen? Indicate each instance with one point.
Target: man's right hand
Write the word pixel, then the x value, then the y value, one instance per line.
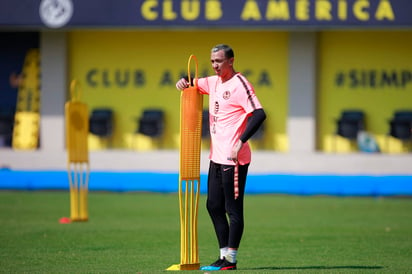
pixel 182 84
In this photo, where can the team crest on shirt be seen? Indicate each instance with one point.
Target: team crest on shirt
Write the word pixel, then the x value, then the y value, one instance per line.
pixel 226 95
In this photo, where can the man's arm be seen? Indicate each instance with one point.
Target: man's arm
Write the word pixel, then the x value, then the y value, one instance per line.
pixel 253 124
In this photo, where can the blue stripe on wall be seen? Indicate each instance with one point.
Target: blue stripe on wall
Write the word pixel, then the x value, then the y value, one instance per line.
pixel 296 184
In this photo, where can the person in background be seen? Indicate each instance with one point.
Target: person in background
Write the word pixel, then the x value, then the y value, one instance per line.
pixel 235 114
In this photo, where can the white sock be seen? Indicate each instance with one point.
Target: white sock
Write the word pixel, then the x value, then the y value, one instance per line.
pixel 223 252
pixel 231 255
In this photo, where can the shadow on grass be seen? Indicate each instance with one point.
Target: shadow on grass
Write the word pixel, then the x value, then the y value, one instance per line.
pixel 314 267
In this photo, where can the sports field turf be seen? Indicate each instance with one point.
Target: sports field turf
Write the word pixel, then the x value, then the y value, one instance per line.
pixel 139 233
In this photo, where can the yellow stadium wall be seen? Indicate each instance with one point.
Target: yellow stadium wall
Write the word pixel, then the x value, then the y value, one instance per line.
pixel 352 66
pixel 132 70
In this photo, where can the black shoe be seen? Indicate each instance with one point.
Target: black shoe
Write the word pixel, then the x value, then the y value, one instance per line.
pixel 218 262
pixel 226 265
pixel 214 266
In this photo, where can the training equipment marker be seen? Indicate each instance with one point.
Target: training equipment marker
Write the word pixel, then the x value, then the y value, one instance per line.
pixel 191 105
pixel 27 117
pixel 77 129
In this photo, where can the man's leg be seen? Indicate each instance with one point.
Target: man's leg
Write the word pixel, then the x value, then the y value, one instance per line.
pixel 216 204
pixel 234 207
pixel 220 201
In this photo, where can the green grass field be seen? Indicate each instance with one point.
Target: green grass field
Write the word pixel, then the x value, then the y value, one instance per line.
pixel 139 233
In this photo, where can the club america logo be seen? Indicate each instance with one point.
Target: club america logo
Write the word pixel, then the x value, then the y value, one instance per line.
pixel 56 13
pixel 226 95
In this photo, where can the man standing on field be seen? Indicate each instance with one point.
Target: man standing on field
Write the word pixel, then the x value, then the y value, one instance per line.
pixel 235 114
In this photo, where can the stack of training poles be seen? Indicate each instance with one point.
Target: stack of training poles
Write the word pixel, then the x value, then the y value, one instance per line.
pixel 191 105
pixel 77 129
pixel 27 118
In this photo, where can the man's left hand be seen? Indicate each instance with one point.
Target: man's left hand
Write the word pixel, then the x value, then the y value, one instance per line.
pixel 235 150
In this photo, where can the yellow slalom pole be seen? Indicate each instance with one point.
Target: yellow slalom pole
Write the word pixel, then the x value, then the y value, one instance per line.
pixel 84 190
pixel 77 130
pixel 74 194
pixel 185 259
pixel 191 105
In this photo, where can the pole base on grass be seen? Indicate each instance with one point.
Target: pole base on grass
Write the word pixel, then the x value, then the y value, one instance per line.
pixel 177 267
pixel 79 219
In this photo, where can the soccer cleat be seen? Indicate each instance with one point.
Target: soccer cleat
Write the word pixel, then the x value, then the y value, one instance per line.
pixel 219 265
pixel 214 266
pixel 226 265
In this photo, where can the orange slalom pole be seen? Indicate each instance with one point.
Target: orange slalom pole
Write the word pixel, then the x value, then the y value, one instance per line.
pixel 191 105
